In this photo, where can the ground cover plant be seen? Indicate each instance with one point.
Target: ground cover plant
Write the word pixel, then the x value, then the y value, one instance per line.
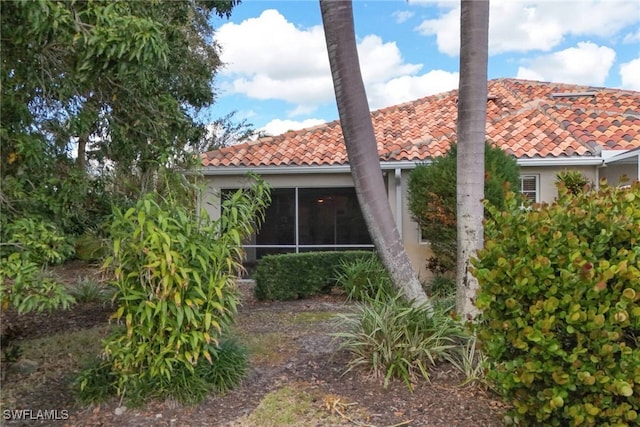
pixel 391 338
pixel 560 293
pixel 290 349
pixel 364 278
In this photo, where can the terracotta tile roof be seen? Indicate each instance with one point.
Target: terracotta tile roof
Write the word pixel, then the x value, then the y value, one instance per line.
pixel 525 118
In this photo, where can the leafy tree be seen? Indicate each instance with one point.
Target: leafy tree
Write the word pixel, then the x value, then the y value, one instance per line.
pixel 432 199
pixel 225 131
pixel 121 81
pixel 472 121
pixel 357 128
pixel 118 81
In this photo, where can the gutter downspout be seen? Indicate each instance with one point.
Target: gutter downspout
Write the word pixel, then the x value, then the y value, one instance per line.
pixel 398 179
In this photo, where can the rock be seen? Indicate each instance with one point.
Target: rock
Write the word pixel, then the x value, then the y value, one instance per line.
pixel 26 366
pixel 120 410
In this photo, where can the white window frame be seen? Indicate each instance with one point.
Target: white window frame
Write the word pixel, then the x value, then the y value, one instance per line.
pixel 536 192
pixel 422 240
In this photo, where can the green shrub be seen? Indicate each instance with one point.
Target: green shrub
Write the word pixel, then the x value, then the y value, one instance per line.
pixel 230 364
pixel 88 289
pixel 364 278
pixel 292 276
pixel 174 273
pixel 432 199
pixel 442 287
pixel 574 181
pixel 27 286
pixel 29 245
pixel 41 241
pixel 393 339
pixel 560 293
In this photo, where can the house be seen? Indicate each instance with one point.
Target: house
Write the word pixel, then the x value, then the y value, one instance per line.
pixel 547 127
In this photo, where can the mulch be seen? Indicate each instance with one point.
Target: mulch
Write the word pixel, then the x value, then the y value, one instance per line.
pixel 314 363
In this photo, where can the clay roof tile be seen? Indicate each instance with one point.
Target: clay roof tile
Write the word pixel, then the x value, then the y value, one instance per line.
pixel 523 118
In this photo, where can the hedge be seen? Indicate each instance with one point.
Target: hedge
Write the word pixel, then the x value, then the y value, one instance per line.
pixel 293 276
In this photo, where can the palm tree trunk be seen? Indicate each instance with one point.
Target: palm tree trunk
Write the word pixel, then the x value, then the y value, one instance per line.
pixel 359 137
pixel 472 116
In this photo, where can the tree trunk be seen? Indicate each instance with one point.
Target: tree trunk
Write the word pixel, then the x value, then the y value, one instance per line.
pixel 472 116
pixel 359 137
pixel 81 160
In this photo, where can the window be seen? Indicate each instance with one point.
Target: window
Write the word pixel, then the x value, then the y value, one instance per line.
pixel 423 239
pixel 310 219
pixel 529 187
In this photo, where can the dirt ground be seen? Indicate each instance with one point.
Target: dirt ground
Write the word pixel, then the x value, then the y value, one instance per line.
pixel 308 359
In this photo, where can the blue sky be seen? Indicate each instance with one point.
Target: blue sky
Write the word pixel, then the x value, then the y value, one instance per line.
pixel 277 73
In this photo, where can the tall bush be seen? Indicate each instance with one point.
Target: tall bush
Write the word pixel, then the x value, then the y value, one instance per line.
pixel 28 246
pixel 560 293
pixel 432 199
pixel 174 273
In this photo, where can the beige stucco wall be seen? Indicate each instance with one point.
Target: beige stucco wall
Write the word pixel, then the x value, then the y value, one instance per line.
pixel 417 251
pixel 613 173
pixel 547 178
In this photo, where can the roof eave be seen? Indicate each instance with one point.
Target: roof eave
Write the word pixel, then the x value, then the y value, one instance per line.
pixel 560 161
pixel 299 169
pixel 628 157
pixel 406 164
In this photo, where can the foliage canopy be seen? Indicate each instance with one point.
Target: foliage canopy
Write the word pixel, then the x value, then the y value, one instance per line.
pixel 432 199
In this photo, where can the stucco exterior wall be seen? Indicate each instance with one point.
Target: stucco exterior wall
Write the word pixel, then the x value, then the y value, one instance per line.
pixel 547 190
pixel 614 172
pixel 417 251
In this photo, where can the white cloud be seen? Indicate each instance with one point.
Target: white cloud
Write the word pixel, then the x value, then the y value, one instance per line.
pixel 402 16
pixel 270 58
pixel 270 39
pixel 277 126
pixel 446 29
pixel 632 37
pixel 630 74
pixel 381 61
pixel 522 26
pixel 586 64
pixel 407 88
